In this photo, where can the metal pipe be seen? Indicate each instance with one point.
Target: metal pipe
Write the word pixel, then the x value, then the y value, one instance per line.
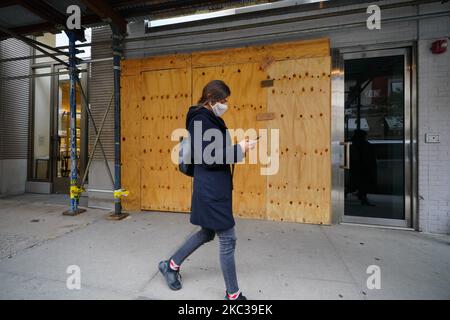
pixel 44 55
pixel 47 64
pixel 97 60
pixel 117 55
pixel 80 45
pixel 52 73
pixel 37 75
pixel 73 121
pixel 30 57
pixel 31 44
pixel 99 190
pixel 46 46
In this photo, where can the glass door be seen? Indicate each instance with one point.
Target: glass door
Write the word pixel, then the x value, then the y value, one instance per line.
pixel 40 157
pixel 376 126
pixel 61 134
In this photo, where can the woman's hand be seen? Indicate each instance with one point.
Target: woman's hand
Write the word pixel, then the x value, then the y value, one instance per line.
pixel 247 145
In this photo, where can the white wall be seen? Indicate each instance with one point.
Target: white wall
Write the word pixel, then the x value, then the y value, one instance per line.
pixel 42 94
pixel 434 117
pixel 13 176
pixel 99 180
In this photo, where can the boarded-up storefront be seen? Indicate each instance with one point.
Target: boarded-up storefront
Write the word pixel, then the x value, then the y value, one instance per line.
pixel 282 86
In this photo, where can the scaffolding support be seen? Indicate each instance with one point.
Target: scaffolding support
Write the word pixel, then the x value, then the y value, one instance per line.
pixel 97 140
pixel 117 42
pixel 75 190
pixel 34 44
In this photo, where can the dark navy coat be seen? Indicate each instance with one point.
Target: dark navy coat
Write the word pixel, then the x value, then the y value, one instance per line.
pixel 211 205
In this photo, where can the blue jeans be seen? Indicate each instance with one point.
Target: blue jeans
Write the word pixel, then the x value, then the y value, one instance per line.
pixel 227 240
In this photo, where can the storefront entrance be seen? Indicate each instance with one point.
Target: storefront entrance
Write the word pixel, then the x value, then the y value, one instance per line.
pixel 377 138
pixel 49 165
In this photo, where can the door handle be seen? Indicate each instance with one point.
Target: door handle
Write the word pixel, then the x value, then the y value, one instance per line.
pixel 346 164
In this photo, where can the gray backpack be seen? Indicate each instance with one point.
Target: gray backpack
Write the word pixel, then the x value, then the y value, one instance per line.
pixel 185 164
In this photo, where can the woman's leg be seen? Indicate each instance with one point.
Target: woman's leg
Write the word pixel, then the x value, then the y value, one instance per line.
pixel 191 244
pixel 227 247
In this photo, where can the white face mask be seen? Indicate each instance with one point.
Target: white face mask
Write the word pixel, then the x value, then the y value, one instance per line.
pixel 219 109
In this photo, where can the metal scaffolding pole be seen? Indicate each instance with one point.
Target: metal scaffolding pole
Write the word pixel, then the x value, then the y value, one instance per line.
pixel 75 190
pixel 117 42
pixel 34 44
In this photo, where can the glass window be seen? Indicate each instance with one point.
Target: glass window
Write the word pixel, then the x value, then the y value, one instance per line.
pixel 63 146
pixel 41 125
pixel 374 127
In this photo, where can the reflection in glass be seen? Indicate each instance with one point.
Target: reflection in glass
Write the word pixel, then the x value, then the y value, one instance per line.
pixel 63 145
pixel 374 126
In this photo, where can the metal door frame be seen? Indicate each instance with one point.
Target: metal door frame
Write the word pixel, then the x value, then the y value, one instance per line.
pixel 410 133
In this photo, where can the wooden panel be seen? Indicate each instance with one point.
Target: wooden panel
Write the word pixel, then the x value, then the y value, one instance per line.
pixel 136 66
pixel 263 54
pixel 282 86
pixel 166 97
pixel 247 99
pixel 131 134
pixel 179 61
pixel 130 67
pixel 300 98
pixel 265 116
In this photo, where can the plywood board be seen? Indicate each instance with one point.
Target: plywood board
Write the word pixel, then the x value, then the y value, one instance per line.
pixel 284 86
pixel 265 54
pixel 130 67
pixel 165 97
pixel 131 139
pixel 300 98
pixel 179 61
pixel 247 99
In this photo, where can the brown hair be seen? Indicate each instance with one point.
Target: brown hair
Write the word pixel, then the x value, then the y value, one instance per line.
pixel 215 90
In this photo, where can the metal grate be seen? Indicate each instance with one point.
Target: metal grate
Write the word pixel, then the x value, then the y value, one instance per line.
pixel 101 85
pixel 14 101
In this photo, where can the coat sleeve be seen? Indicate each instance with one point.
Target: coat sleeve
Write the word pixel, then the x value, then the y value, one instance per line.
pixel 227 154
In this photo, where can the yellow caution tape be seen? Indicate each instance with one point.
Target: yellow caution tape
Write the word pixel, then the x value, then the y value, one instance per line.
pixel 76 191
pixel 120 193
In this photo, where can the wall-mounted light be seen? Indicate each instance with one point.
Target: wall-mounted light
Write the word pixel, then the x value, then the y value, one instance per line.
pixel 439 46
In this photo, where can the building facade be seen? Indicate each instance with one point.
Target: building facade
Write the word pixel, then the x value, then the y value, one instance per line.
pixel 403 101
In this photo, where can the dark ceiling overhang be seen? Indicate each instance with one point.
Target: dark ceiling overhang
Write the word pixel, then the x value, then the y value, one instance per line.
pixel 35 17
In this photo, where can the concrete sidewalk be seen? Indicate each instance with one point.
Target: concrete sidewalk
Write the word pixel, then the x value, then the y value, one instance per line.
pixel 118 260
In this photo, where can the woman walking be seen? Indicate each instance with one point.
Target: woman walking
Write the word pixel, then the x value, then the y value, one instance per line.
pixel 211 206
